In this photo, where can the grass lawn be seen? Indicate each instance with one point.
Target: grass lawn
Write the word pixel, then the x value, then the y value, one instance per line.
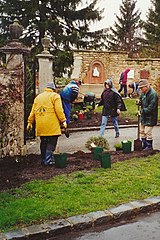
pixel 131 109
pixel 80 192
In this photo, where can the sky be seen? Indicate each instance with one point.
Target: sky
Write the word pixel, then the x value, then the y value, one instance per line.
pixel 112 8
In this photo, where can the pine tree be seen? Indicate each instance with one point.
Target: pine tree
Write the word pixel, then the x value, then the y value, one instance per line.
pixel 65 21
pixel 123 36
pixel 60 18
pixel 152 30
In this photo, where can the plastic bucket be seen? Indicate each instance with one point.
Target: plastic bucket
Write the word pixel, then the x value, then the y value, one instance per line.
pixel 105 160
pixel 126 146
pixel 96 153
pixel 60 160
pixel 80 115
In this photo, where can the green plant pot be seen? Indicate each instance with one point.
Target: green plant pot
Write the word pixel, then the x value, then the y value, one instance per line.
pixel 119 149
pixel 89 115
pixel 127 146
pixel 60 160
pixel 96 153
pixel 105 160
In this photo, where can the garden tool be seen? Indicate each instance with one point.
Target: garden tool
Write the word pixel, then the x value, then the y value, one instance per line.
pixel 138 142
pixel 64 131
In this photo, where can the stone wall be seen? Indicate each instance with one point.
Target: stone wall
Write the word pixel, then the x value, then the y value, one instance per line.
pixel 110 65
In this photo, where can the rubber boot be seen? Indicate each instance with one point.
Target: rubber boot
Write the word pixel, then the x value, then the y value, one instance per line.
pixel 144 143
pixel 117 135
pixel 149 145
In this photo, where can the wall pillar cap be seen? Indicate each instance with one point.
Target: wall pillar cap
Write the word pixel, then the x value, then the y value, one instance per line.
pixel 15 47
pixel 45 55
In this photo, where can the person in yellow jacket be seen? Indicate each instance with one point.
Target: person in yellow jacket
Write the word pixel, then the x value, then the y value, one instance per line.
pixel 47 112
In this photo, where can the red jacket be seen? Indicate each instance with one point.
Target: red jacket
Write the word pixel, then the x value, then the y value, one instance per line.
pixel 124 79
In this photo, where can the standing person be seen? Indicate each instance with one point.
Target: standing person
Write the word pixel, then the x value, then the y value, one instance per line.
pixel 149 113
pixel 135 88
pixel 68 95
pixel 112 106
pixel 123 82
pixel 47 112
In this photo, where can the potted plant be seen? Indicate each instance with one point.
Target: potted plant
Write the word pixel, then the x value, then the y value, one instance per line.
pixel 88 112
pixel 127 146
pixel 81 114
pixel 118 146
pixel 75 117
pixel 97 142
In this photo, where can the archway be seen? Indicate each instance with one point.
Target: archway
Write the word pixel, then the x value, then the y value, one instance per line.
pixel 95 74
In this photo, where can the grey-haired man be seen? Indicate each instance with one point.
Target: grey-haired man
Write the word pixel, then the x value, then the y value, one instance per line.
pixel 149 113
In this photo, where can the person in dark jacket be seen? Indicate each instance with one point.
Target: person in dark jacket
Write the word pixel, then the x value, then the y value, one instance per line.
pixel 123 82
pixel 68 95
pixel 112 104
pixel 149 113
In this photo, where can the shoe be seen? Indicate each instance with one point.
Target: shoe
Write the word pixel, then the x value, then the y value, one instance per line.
pixel 148 148
pixel 117 135
pixel 51 163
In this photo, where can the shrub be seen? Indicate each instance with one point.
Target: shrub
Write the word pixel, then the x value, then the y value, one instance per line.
pixel 98 142
pixel 118 146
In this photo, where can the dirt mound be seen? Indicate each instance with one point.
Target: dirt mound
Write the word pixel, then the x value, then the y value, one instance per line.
pixel 16 171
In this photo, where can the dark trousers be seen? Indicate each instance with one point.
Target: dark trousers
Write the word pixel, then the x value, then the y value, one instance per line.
pixel 47 146
pixel 123 86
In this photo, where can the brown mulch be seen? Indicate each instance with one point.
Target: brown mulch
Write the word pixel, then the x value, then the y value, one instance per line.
pixel 16 171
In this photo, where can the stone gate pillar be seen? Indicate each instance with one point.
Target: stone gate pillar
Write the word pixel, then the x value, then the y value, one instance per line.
pixel 45 60
pixel 12 91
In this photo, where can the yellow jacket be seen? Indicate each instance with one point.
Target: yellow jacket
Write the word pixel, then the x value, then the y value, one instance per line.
pixel 47 112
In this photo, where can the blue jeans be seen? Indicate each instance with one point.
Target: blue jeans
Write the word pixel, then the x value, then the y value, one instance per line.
pixel 47 146
pixel 67 109
pixel 104 123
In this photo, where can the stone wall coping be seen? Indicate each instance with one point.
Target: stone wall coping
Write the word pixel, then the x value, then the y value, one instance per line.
pixel 80 222
pixel 142 59
pixel 101 51
pixel 15 47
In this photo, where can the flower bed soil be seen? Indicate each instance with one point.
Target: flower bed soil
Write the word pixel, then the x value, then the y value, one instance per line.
pixel 95 121
pixel 16 171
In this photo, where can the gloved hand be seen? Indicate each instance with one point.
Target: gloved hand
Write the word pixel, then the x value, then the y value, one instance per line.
pixel 138 102
pixel 64 125
pixel 118 111
pixel 138 113
pixel 96 106
pixel 29 126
